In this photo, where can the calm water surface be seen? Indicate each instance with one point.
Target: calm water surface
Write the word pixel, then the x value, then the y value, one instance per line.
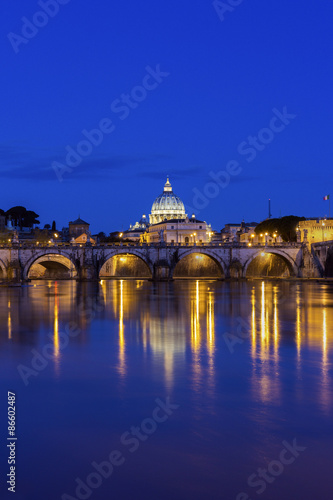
pixel 249 365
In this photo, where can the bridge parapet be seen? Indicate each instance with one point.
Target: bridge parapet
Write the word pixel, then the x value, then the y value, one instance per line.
pixel 85 262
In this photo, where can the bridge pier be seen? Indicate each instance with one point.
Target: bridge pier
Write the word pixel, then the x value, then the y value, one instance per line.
pixel 162 273
pixel 14 269
pixel 87 270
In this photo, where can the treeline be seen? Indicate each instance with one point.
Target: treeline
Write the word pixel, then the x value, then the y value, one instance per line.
pixel 284 227
pixel 21 217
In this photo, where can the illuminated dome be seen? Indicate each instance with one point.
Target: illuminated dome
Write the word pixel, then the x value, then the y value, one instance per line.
pixel 167 206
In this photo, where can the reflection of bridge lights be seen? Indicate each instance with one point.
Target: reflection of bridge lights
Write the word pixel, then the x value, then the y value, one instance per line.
pixel 200 257
pixel 263 254
pixel 122 259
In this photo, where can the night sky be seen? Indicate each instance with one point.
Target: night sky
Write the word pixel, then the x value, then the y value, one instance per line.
pixel 212 83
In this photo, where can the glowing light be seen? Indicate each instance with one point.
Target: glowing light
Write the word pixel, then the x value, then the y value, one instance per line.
pixel 298 328
pixel 263 254
pixel 9 321
pixel 120 235
pixel 122 367
pixel 249 245
pixel 253 324
pixel 56 321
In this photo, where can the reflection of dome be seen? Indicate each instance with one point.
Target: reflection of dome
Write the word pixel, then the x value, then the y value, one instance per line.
pixel 167 206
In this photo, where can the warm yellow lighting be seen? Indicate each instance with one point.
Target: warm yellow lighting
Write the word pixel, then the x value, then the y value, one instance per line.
pixel 250 244
pixel 56 235
pixel 120 235
pixel 266 234
pixel 252 235
pixel 122 361
pixel 261 235
pixel 9 321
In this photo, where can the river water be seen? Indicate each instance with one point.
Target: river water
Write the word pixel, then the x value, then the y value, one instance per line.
pixel 183 390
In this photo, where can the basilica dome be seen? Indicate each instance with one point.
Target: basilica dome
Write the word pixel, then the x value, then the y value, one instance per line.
pixel 167 206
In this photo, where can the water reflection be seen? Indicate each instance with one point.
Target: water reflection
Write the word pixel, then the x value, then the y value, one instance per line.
pixel 178 324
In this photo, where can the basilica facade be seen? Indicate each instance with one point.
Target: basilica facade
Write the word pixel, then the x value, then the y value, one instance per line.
pixel 169 223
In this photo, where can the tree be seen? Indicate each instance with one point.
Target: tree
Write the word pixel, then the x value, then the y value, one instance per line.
pixel 47 226
pixel 285 227
pixel 22 217
pixel 31 218
pixel 17 214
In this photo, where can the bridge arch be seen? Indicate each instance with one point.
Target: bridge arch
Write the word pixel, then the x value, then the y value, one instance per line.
pixel 56 265
pixel 263 261
pixel 198 263
pixel 125 264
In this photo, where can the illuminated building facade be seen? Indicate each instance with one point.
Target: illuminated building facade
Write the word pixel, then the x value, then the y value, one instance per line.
pixel 179 231
pixel 315 230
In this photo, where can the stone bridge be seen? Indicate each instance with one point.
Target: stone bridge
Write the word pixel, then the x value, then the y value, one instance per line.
pixel 85 262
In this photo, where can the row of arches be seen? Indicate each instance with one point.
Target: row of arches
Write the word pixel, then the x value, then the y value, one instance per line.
pixel 193 265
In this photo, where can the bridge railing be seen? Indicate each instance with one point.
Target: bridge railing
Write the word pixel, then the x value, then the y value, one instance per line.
pixel 213 244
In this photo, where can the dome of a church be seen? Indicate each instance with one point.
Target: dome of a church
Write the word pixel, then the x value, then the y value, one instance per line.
pixel 167 206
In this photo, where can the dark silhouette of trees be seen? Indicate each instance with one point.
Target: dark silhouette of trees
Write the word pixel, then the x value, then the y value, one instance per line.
pixel 22 217
pixel 285 227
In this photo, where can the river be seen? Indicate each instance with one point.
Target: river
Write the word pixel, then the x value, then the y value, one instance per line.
pixel 184 390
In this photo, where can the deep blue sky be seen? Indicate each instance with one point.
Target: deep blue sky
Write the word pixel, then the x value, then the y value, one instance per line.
pixel 225 79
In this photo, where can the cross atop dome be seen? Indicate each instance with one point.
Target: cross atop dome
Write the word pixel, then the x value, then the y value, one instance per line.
pixel 167 185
